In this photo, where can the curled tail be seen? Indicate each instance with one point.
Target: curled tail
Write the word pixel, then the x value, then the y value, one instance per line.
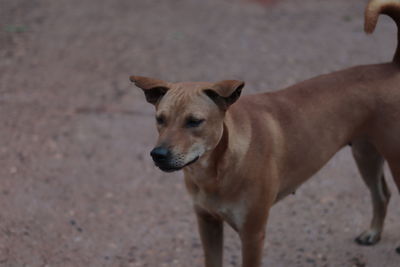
pixel 387 7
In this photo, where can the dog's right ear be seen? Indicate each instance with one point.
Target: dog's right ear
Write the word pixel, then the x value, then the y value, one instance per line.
pixel 153 89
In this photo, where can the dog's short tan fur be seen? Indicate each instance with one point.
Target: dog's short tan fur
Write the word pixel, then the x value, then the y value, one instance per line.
pixel 239 159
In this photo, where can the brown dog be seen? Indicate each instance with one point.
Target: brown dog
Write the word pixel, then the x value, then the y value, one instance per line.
pixel 241 157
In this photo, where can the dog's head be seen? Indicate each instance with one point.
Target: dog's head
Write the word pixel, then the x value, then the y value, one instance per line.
pixel 189 117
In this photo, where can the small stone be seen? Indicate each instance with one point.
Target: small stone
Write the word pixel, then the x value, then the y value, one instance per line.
pixel 112 245
pixel 358 262
pixel 13 170
pixel 310 260
pixel 398 250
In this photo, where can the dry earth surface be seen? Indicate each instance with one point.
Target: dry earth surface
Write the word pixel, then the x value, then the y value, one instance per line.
pixel 77 185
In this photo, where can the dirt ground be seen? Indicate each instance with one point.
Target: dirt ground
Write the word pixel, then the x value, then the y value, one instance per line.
pixel 77 185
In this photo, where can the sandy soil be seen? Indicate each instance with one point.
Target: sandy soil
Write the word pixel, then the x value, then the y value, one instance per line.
pixel 78 187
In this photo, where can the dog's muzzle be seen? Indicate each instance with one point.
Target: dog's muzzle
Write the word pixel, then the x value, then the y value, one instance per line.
pixel 164 160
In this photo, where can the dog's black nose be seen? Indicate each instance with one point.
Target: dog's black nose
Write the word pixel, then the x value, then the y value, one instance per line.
pixel 159 154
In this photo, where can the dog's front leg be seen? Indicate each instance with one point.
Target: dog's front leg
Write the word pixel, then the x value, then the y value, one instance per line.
pixel 252 247
pixel 211 233
pixel 252 236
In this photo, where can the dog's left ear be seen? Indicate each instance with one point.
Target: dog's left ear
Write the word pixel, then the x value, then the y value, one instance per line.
pixel 153 89
pixel 225 93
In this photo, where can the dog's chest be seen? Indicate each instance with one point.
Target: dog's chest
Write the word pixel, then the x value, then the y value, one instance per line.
pixel 233 212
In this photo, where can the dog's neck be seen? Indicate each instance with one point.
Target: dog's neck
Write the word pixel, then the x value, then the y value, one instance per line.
pixel 205 172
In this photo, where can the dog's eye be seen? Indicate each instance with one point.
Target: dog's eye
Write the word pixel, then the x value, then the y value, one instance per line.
pixel 193 122
pixel 160 120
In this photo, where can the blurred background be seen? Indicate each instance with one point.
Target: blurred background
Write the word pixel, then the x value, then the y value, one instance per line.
pixel 77 185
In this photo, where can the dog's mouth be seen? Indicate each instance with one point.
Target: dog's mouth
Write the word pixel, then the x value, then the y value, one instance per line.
pixel 192 161
pixel 169 168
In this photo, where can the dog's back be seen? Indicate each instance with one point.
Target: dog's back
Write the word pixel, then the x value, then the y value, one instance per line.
pixel 359 103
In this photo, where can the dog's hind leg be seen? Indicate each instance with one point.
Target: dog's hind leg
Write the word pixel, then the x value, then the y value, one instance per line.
pixel 394 165
pixel 370 165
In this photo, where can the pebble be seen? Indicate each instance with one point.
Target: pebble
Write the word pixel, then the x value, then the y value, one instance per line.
pixel 13 170
pixel 358 262
pixel 310 260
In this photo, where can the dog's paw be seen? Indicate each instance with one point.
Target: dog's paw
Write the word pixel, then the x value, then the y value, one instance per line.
pixel 398 250
pixel 368 238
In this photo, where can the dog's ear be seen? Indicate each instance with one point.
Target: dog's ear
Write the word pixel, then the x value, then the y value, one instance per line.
pixel 153 89
pixel 225 93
